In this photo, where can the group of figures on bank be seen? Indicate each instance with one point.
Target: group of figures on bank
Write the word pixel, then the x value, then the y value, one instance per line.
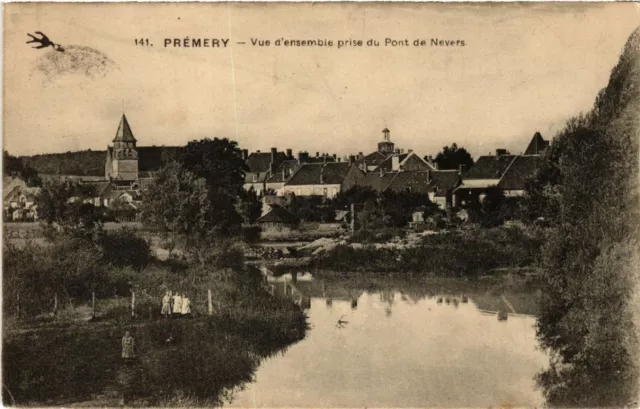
pixel 177 305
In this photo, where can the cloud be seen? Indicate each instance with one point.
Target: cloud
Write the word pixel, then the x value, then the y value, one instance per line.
pixel 81 61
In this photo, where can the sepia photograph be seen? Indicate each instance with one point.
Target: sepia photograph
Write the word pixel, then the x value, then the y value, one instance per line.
pixel 321 205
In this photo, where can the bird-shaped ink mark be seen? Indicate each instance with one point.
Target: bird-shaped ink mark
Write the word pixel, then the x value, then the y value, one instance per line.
pixel 341 322
pixel 44 42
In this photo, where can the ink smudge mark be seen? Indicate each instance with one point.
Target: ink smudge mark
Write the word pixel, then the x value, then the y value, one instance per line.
pixel 78 60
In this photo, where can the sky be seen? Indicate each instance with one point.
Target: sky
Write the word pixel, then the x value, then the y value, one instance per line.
pixel 523 68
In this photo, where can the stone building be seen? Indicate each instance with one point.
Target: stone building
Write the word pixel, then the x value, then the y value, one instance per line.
pixel 122 157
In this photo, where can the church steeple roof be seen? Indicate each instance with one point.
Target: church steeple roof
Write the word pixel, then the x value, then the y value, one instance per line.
pixel 124 133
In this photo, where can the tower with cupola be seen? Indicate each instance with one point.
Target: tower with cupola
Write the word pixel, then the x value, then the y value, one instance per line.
pixel 386 147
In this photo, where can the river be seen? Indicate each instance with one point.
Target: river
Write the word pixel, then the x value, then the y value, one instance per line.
pixel 406 348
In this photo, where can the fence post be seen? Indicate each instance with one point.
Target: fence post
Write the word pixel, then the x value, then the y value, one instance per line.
pixel 93 304
pixel 210 303
pixel 353 218
pixel 133 304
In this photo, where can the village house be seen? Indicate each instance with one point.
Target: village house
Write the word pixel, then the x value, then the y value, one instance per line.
pixel 405 162
pixel 323 179
pixel 504 170
pixel 262 166
pixel 438 184
pixel 277 219
pixel 9 183
pixel 268 172
pixel 20 204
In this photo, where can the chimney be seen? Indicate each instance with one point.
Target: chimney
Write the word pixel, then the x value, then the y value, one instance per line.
pixel 317 154
pixel 500 152
pixel 335 157
pixel 461 169
pixel 410 151
pixel 274 152
pixel 245 154
pixel 351 159
pixel 289 154
pixel 395 163
pixel 360 155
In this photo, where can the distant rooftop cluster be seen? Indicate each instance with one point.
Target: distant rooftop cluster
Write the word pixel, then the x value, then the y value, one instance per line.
pixel 129 168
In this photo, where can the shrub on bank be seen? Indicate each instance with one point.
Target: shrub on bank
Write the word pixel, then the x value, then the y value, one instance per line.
pixel 383 235
pixel 126 248
pixel 458 253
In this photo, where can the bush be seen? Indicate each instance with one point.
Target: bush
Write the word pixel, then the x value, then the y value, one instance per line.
pixel 383 235
pixel 251 234
pixel 459 253
pixel 125 248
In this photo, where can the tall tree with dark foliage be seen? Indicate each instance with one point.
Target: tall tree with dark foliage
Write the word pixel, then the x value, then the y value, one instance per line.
pixel 452 157
pixel 587 320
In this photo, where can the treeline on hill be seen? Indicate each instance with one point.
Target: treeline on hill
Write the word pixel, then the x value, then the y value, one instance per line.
pixel 91 163
pixel 16 167
pixel 80 163
pixel 588 187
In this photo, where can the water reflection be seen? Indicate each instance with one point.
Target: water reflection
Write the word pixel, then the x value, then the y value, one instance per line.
pixel 201 359
pixel 400 350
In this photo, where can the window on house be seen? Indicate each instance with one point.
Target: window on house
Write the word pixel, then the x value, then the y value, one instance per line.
pixel 255 177
pixel 325 191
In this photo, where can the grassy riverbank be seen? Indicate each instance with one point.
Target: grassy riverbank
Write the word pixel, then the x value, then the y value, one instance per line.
pixel 70 358
pixel 469 252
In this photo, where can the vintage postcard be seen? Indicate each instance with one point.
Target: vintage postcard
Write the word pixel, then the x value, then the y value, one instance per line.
pixel 320 205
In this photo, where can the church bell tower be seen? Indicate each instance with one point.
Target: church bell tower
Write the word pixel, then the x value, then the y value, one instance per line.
pixel 122 158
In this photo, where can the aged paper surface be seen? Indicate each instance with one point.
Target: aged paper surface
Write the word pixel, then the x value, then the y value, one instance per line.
pixel 320 204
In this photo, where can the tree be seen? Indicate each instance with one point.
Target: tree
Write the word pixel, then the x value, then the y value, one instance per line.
pixel 451 157
pixel 308 208
pixel 250 206
pixel 218 161
pixel 177 203
pixel 356 195
pixel 370 217
pixel 16 167
pixel 62 208
pixel 491 207
pixel 586 319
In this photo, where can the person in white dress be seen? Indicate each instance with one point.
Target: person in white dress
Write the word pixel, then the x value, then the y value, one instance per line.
pixel 186 305
pixel 177 304
pixel 166 305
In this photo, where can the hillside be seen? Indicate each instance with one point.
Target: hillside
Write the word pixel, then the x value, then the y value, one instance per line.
pixel 91 163
pixel 81 163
